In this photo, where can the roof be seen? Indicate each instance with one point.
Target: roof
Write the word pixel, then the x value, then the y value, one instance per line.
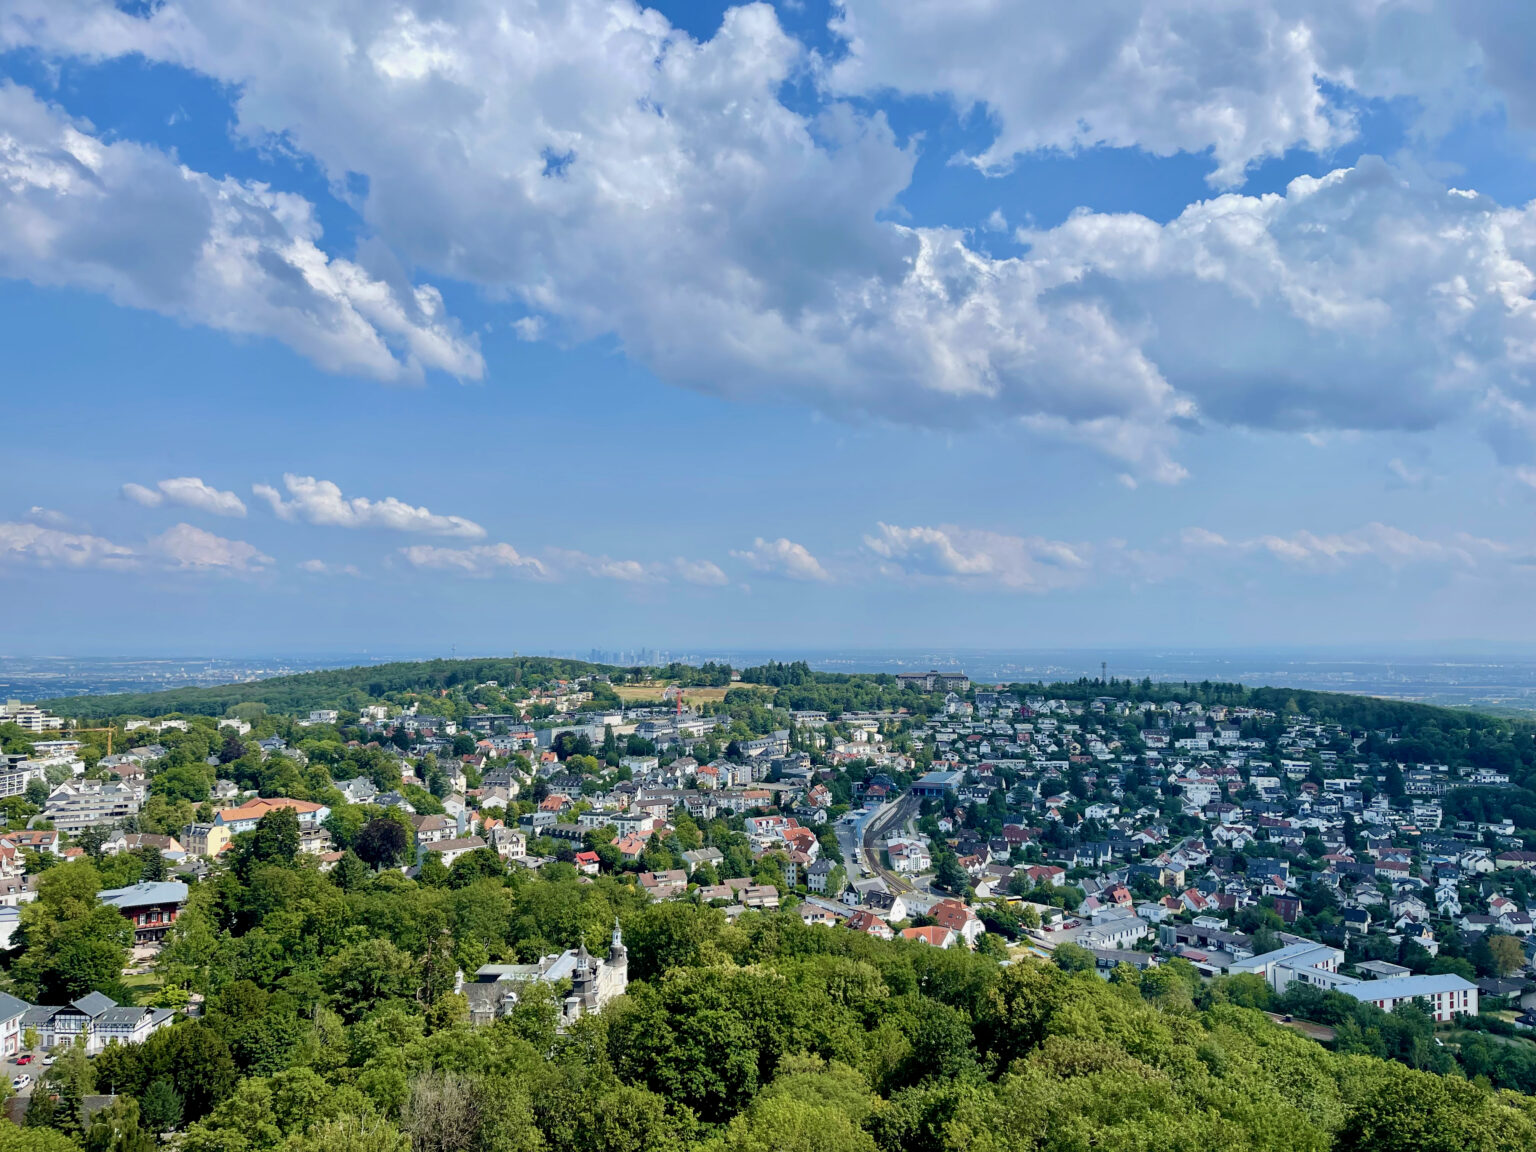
pixel 93 1003
pixel 11 1007
pixel 462 844
pixel 1406 987
pixel 260 806
pixel 932 934
pixel 121 1015
pixel 149 892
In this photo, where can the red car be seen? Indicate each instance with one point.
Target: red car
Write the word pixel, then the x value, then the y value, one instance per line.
pixel 27 1059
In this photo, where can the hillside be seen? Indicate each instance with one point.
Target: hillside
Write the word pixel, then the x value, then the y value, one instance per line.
pixel 796 685
pixel 333 688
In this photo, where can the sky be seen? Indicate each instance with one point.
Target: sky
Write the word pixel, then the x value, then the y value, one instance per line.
pixel 510 325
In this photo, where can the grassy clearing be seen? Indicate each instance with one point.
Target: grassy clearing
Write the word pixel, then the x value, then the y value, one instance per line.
pixel 143 986
pixel 649 693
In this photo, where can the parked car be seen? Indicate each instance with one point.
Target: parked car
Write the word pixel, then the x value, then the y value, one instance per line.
pixel 48 1060
pixel 25 1058
pixel 22 1081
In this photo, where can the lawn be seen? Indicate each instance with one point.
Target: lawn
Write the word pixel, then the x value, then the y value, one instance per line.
pixel 643 693
pixel 143 985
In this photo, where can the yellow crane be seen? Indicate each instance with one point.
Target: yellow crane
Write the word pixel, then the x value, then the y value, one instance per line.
pixel 108 731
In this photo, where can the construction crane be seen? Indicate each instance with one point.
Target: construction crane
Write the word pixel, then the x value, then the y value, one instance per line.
pixel 108 731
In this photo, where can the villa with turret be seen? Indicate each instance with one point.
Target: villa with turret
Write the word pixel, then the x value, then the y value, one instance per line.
pixel 493 992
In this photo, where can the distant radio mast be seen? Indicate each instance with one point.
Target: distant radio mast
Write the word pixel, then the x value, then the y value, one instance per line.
pixel 1104 671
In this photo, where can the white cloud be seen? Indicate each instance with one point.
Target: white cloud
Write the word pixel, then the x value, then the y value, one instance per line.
pixel 324 568
pixel 1405 475
pixel 568 562
pixel 128 221
pixel 1382 543
pixel 49 517
pixel 321 502
pixel 612 177
pixel 1030 563
pixel 784 557
pixel 189 492
pixel 184 546
pixel 1247 81
pixel 560 564
pixel 181 547
pixel 481 560
pixel 34 544
pixel 703 572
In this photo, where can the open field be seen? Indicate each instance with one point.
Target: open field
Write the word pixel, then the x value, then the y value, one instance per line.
pixel 642 693
pixel 143 985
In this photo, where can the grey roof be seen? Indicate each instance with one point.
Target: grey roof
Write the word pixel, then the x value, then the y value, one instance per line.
pixel 149 892
pixel 38 1015
pixel 11 1007
pixel 1406 987
pixel 93 1003
pixel 121 1015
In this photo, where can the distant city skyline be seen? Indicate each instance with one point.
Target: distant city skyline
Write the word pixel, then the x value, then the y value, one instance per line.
pixel 333 327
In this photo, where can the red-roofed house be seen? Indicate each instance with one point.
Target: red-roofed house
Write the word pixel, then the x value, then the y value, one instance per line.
pixel 934 934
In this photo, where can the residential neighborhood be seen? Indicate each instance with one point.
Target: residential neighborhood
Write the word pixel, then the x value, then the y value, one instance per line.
pixel 1287 854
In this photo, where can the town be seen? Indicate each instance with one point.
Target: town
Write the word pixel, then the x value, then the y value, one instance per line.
pixel 1360 871
pixel 1119 828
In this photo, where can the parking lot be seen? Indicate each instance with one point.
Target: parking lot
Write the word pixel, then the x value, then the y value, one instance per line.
pixel 10 1069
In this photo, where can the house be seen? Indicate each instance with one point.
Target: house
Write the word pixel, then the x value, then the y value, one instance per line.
pixel 11 1012
pixel 509 843
pixel 228 823
pixel 450 850
pixel 95 1020
pixel 152 907
pixel 431 829
pixel 493 993
pixel 908 855
pixel 815 914
pixel 588 863
pixel 959 919
pixel 35 840
pixel 168 846
pixel 870 924
pixel 819 877
pixel 934 934
pixel 630 847
pixel 892 906
pixel 664 885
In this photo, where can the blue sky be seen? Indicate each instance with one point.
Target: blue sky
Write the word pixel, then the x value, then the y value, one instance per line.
pixel 336 326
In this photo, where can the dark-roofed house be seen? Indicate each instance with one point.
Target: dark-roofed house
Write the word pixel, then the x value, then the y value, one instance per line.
pixel 12 1011
pixel 152 906
pixel 97 1018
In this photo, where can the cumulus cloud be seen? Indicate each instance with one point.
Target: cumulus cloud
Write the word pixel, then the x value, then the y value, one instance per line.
pixel 321 502
pixel 560 564
pixel 181 547
pixel 610 176
pixel 1030 563
pixel 127 220
pixel 45 547
pixel 184 546
pixel 702 572
pixel 784 557
pixel 481 560
pixel 1242 80
pixel 324 568
pixel 50 517
pixel 1382 543
pixel 189 492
